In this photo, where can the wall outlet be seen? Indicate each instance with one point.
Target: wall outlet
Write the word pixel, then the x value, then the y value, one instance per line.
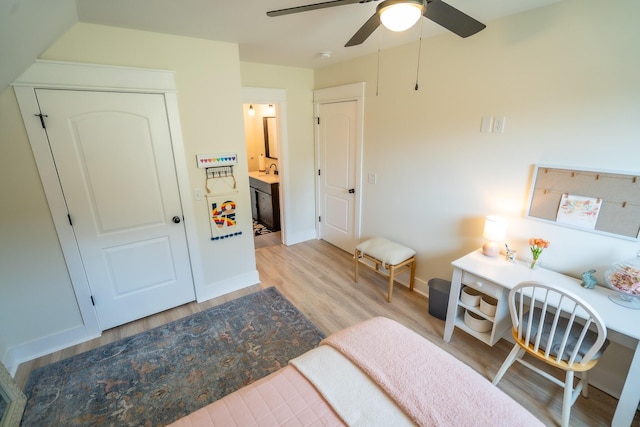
pixel 498 124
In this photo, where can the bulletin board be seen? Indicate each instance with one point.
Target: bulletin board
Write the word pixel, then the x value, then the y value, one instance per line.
pixel 599 201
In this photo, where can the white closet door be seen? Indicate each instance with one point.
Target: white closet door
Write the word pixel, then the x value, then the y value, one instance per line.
pixel 114 159
pixel 337 152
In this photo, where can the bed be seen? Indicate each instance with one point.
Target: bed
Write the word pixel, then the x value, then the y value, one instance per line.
pixel 375 373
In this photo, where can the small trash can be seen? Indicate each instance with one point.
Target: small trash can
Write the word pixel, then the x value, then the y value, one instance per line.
pixel 439 290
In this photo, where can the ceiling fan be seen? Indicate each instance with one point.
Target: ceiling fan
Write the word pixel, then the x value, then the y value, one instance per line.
pixel 437 11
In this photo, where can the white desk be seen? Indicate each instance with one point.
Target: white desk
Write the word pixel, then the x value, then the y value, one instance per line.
pixel 497 277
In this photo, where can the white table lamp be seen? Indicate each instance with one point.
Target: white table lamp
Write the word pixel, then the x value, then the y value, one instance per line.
pixel 495 230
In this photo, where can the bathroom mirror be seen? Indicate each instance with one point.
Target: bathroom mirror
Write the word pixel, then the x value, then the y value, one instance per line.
pixel 12 400
pixel 270 137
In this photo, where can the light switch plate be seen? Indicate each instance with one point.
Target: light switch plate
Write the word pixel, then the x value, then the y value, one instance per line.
pixel 486 124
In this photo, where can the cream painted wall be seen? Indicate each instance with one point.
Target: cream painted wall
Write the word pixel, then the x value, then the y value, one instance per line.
pixel 35 286
pixel 298 83
pixel 27 28
pixel 250 136
pixel 566 79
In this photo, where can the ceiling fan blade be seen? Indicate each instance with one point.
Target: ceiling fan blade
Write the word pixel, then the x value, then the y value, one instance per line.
pixel 365 31
pixel 452 19
pixel 314 6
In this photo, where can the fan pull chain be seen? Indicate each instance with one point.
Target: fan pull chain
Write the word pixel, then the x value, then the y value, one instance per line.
pixel 378 66
pixel 419 52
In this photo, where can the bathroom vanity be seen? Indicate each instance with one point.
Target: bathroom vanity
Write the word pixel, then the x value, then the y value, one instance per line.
pixel 265 199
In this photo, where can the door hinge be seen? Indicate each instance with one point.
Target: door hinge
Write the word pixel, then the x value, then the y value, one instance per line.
pixel 318 172
pixel 70 222
pixel 319 219
pixel 42 116
pixel 318 120
pixel 93 302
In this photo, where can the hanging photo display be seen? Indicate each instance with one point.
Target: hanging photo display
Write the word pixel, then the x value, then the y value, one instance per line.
pixel 599 201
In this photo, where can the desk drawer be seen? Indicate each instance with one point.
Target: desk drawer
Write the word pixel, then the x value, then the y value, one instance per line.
pixel 483 285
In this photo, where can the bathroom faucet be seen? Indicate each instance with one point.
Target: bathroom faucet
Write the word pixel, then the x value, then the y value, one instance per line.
pixel 275 172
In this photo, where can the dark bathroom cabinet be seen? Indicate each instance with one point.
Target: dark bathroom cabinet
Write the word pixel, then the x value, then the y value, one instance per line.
pixel 265 203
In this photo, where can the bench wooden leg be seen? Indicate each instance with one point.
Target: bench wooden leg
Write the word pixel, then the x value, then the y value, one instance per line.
pixel 413 274
pixel 392 273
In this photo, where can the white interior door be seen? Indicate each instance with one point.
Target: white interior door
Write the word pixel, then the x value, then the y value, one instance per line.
pixel 114 159
pixel 337 136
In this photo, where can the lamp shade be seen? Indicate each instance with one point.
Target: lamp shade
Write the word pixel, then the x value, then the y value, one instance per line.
pixel 400 15
pixel 495 229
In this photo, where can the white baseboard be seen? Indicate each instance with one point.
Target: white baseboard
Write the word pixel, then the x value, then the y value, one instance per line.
pixel 420 286
pixel 227 285
pixel 45 345
pixel 299 237
pixel 77 335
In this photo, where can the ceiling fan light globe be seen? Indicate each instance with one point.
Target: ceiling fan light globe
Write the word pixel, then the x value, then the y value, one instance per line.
pixel 400 16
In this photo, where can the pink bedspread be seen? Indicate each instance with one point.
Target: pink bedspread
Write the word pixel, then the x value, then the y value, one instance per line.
pixel 284 398
pixel 433 387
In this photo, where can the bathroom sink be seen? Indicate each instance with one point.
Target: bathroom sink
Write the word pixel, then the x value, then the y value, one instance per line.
pixel 264 177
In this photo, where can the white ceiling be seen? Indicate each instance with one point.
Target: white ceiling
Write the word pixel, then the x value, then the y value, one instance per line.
pixel 292 40
pixel 29 27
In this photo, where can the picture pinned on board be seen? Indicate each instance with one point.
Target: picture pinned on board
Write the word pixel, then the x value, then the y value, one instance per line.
pixel 579 211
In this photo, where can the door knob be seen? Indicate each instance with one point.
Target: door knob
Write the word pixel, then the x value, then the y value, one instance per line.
pixel 352 190
pixel 176 219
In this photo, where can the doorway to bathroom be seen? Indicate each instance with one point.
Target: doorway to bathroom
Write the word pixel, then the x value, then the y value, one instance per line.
pixel 264 123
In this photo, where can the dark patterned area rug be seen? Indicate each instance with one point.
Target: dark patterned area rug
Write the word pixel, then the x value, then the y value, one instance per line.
pixel 158 376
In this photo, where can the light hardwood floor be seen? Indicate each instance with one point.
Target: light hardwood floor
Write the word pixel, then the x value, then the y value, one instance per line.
pixel 318 279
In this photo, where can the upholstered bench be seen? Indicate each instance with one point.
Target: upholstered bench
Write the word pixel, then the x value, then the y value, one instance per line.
pixel 386 254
